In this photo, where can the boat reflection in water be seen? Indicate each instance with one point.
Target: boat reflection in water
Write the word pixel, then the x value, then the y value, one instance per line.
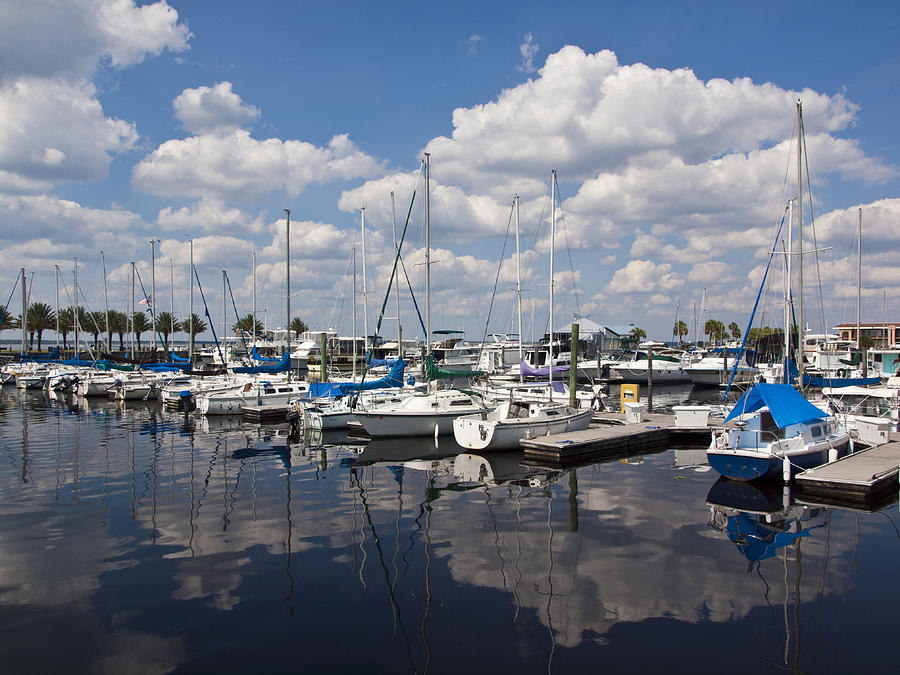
pixel 760 518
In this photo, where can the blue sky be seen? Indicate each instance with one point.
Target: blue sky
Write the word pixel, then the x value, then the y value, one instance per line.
pixel 670 125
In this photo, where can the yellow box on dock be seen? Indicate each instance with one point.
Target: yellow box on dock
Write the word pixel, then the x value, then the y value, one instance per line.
pixel 628 393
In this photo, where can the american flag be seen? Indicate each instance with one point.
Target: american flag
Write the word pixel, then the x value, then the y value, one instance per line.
pixel 145 301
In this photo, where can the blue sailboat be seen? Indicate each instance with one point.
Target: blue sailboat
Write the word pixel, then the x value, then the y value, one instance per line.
pixel 775 432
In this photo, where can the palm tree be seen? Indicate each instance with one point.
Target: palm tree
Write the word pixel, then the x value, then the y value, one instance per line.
pixel 637 334
pixel 140 324
pixel 7 320
pixel 298 326
pixel 245 324
pixel 166 325
pixel 95 326
pixel 198 323
pixel 66 324
pixel 735 330
pixel 118 324
pixel 39 317
pixel 681 329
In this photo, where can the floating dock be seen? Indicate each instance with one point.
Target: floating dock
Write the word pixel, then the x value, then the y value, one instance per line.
pixel 608 437
pixel 266 413
pixel 860 476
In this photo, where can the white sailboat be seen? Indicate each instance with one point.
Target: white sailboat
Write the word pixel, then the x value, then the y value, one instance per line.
pixel 434 411
pixel 508 423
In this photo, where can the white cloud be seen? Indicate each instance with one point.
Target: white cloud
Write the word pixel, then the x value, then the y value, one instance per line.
pixel 206 109
pixel 51 130
pixel 67 38
pixel 709 272
pixel 527 50
pixel 644 276
pixel 236 166
pixel 209 215
pixel 472 44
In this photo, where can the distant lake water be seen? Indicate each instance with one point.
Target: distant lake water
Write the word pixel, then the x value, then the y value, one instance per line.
pixel 133 539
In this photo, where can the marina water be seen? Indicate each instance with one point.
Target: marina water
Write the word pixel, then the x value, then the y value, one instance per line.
pixel 133 539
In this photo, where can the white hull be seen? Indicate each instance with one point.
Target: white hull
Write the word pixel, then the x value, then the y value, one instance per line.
pixel 418 415
pixel 478 432
pixel 232 403
pixel 637 373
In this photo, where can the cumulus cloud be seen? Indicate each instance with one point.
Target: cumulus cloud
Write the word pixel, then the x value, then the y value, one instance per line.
pixel 587 114
pixel 56 130
pixel 52 126
pixel 209 215
pixel 206 109
pixel 644 276
pixel 67 38
pixel 238 167
pixel 709 272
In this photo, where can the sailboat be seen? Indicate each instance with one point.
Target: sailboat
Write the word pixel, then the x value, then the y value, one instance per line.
pixel 428 413
pixel 777 430
pixel 508 423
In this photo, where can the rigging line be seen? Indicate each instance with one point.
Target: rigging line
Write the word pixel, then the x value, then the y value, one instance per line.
pixel 496 281
pixel 340 298
pixel 387 292
pixel 812 225
pixel 206 310
pixel 568 250
pixel 762 285
pixel 237 315
pixel 5 312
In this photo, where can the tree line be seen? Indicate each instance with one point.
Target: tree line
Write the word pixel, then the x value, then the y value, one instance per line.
pixel 40 317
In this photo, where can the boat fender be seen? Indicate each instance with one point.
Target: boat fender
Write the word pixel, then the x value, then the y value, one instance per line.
pixel 832 454
pixel 786 469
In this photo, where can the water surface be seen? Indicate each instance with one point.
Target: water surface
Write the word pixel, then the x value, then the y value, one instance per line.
pixel 137 540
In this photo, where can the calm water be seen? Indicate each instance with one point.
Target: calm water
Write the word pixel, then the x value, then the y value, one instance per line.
pixel 132 541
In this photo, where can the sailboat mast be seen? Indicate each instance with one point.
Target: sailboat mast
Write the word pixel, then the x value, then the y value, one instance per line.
pixel 519 288
pixel 24 310
pixel 172 301
pixel 75 316
pixel 397 282
pixel 552 238
pixel 859 280
pixel 788 298
pixel 287 247
pixel 224 320
pixel 254 297
pixel 56 269
pixel 365 291
pixel 427 253
pixel 105 299
pixel 800 333
pixel 153 293
pixel 353 256
pixel 191 310
pixel 132 310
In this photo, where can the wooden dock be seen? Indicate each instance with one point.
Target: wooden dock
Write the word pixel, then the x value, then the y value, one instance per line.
pixel 860 476
pixel 266 413
pixel 609 438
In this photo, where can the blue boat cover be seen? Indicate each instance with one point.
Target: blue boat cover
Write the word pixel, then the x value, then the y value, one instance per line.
pixel 283 366
pixel 819 381
pixel 787 405
pixel 375 363
pixel 333 389
pixel 259 357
